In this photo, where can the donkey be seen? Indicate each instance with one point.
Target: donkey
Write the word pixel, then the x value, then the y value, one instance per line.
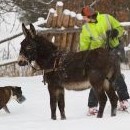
pixel 73 70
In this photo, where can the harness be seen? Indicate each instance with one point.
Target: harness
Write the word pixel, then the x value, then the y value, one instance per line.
pixel 58 66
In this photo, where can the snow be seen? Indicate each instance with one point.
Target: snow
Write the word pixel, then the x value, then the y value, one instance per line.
pixel 79 17
pixel 10 24
pixel 52 10
pixel 72 14
pixel 66 12
pixel 59 3
pixel 34 113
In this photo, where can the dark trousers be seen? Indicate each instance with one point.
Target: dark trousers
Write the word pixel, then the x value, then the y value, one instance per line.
pixel 120 87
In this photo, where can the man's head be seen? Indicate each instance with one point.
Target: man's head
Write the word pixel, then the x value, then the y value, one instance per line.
pixel 89 14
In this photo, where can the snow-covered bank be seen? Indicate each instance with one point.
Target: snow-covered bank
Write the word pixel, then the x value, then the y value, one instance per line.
pixel 34 113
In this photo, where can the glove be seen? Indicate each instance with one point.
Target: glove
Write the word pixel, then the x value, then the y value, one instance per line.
pixel 119 50
pixel 112 33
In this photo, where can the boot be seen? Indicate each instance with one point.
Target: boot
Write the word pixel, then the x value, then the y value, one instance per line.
pixel 92 111
pixel 123 105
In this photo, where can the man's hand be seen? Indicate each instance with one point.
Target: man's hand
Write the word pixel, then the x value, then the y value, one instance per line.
pixel 112 33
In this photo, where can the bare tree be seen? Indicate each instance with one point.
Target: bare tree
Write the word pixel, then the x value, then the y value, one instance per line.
pixel 5 7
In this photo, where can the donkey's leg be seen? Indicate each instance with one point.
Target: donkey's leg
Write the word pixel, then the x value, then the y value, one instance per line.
pixel 96 79
pixel 102 102
pixel 113 100
pixel 61 103
pixel 53 101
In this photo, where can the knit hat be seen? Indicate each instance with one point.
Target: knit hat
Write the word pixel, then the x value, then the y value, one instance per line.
pixel 88 11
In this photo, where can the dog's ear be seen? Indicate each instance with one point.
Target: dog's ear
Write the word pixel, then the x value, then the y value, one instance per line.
pixel 18 88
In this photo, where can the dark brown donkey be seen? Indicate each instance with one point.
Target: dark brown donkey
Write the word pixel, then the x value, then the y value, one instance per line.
pixel 73 71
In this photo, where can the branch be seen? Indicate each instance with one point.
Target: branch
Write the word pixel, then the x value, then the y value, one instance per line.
pixel 42 2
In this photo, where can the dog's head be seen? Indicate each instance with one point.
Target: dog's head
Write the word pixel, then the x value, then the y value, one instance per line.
pixel 17 93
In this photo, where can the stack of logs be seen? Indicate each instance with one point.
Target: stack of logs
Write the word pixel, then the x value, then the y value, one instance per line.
pixel 64 18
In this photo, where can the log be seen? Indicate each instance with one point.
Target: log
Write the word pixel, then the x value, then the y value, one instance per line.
pixel 54 20
pixel 50 17
pixel 72 19
pixel 79 20
pixel 65 22
pixel 59 11
pixel 57 40
pixel 59 20
pixel 75 43
pixel 70 35
pixel 76 38
pixel 59 30
pixel 66 16
pixel 59 7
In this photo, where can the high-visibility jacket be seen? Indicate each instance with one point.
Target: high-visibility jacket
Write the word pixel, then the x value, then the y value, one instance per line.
pixel 93 35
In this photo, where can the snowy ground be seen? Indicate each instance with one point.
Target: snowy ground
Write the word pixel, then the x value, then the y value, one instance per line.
pixel 34 113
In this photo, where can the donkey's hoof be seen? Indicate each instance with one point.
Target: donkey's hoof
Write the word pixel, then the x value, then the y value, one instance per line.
pixel 113 115
pixel 63 118
pixel 113 112
pixel 53 118
pixel 99 115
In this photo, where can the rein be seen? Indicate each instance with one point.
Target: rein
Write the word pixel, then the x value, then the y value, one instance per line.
pixel 59 58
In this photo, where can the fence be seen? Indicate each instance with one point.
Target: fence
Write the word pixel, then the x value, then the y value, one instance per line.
pixel 63 28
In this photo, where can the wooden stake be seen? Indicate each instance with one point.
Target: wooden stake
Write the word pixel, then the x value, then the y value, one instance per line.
pixel 70 35
pixel 76 38
pixel 65 22
pixel 50 18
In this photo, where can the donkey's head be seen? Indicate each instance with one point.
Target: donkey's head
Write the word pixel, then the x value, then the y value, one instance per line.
pixel 28 50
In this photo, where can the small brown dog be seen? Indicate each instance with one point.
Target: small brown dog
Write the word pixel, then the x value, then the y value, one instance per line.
pixel 7 92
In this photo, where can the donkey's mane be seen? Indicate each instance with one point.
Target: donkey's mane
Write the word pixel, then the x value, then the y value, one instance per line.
pixel 43 41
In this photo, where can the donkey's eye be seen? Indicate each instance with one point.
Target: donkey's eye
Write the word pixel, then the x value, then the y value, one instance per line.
pixel 28 48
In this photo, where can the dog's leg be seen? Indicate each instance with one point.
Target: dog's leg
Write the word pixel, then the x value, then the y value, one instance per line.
pixel 6 109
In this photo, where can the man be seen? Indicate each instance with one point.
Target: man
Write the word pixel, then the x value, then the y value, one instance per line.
pixel 94 35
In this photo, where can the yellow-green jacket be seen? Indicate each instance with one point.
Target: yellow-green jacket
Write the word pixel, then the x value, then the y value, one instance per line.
pixel 93 35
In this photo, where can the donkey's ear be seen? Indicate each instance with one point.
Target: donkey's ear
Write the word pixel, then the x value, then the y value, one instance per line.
pixel 32 30
pixel 25 30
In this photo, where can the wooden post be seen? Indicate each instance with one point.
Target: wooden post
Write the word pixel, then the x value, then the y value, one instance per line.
pixel 54 20
pixel 79 20
pixel 66 16
pixel 50 17
pixel 59 7
pixel 59 11
pixel 65 22
pixel 51 22
pixel 76 38
pixel 70 35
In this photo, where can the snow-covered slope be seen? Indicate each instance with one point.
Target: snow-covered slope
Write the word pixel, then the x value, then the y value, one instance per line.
pixel 34 113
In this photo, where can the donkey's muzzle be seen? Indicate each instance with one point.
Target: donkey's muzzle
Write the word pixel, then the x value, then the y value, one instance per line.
pixel 22 63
